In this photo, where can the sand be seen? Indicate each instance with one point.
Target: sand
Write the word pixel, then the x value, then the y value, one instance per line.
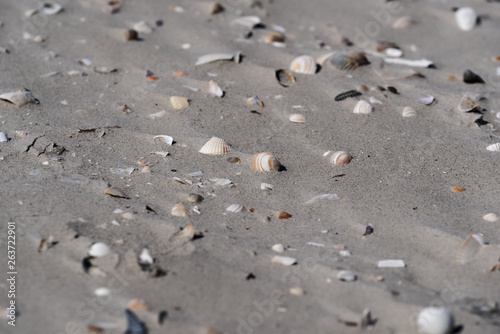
pixel 399 181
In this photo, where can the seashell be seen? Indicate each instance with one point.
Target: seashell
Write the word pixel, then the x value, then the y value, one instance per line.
pixel 297 118
pixel 214 89
pixel 215 8
pixel 350 61
pixel 266 186
pixel 114 6
pixel 284 78
pixel 382 46
pixel 179 74
pixel 187 232
pixel 297 291
pixel 323 58
pixel 494 147
pixel 278 248
pixel 402 22
pixel 304 65
pixel 144 163
pixel 247 21
pixel 98 249
pixel 143 27
pixel 393 52
pixel 213 57
pixel 467 104
pixel 134 325
pixel 19 97
pixel 284 260
pixel 374 100
pixel 194 198
pixel 470 248
pixel 85 62
pixel 235 208
pixel 233 160
pixel 180 210
pixel 265 162
pixel 51 9
pixel 145 257
pixel 284 215
pixel 391 264
pixel 363 107
pixel 179 102
pixel 322 197
pixel 435 320
pixel 104 69
pixel 115 192
pixel 409 112
pixel 466 18
pixel 345 253
pixel 46 243
pixel 255 101
pixel 166 139
pixel 472 78
pixel 457 189
pixel 345 95
pixel 128 215
pixel 415 63
pixel 490 217
pixel 346 276
pixel 427 100
pixel 130 35
pixel 137 305
pixel 273 37
pixel 215 146
pixel 101 292
pixel 159 114
pixel 22 133
pixel 340 158
pixel 3 137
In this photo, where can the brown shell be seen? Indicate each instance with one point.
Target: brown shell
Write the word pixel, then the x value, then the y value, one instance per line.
pixel 265 162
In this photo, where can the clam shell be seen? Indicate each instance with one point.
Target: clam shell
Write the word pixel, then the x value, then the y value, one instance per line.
pixel 494 147
pixel 374 100
pixel 99 249
pixel 3 137
pixel 187 232
pixel 274 36
pixel 349 62
pixel 19 97
pixel 166 139
pixel 363 107
pixel 278 248
pixel 235 208
pixel 266 186
pixel 340 158
pixel 472 78
pixel 214 89
pixel 323 58
pixel 346 276
pixel 254 100
pixel 265 162
pixel 304 65
pixel 180 210
pixel 409 112
pixel 215 146
pixel 471 246
pixel 466 18
pixel 247 21
pixel 115 192
pixel 297 118
pixel 179 102
pixel 284 260
pixel 214 57
pixel 468 104
pixel 427 100
pixel 435 320
pixel 284 78
pixel 194 198
pixel 490 217
pixel 51 9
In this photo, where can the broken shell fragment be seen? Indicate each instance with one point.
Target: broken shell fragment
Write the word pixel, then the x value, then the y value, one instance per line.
pixel 265 162
pixel 284 215
pixel 255 101
pixel 297 118
pixel 180 210
pixel 137 305
pixel 51 9
pixel 363 107
pixel 304 65
pixel 472 78
pixel 114 6
pixel 346 276
pixel 409 112
pixel 457 189
pixel 166 139
pixel 350 61
pixel 284 260
pixel 427 100
pixel 187 232
pixel 214 89
pixel 467 104
pixel 470 248
pixel 273 37
pixel 99 249
pixel 179 102
pixel 323 58
pixel 493 147
pixel 19 97
pixel 374 100
pixel 435 320
pixel 115 192
pixel 209 58
pixel 247 21
pixel 145 257
pixel 143 27
pixel 490 217
pixel 3 137
pixel 278 248
pixel 297 291
pixel 340 158
pixel 130 35
pixel 104 69
pixel 215 8
pixel 266 186
pixel 215 146
pixel 391 264
pixel 466 18
pixel 284 78
pixel 235 208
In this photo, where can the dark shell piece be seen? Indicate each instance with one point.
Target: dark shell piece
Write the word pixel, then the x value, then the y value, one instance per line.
pixel 369 230
pixel 284 78
pixel 350 61
pixel 87 264
pixel 345 95
pixel 472 78
pixel 134 325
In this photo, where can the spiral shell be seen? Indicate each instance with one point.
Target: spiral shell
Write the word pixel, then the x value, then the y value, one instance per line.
pixel 215 146
pixel 340 158
pixel 304 65
pixel 297 118
pixel 179 102
pixel 409 112
pixel 180 210
pixel 265 162
pixel 363 107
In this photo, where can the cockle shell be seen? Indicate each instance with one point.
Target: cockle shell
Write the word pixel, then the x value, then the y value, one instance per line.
pixel 215 146
pixel 435 320
pixel 468 104
pixel 19 97
pixel 297 118
pixel 265 162
pixel 351 61
pixel 235 208
pixel 166 139
pixel 409 112
pixel 494 147
pixel 471 246
pixel 179 102
pixel 304 65
pixel 98 249
pixel 466 18
pixel 363 107
pixel 214 89
pixel 340 158
pixel 180 210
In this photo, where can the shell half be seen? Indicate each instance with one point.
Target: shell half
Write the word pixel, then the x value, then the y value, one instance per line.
pixel 467 104
pixel 19 97
pixel 494 147
pixel 466 18
pixel 266 162
pixel 409 112
pixel 363 107
pixel 297 118
pixel 215 146
pixel 304 65
pixel 235 208
pixel 214 89
pixel 470 248
pixel 340 158
pixel 179 102
pixel 180 210
pixel 435 320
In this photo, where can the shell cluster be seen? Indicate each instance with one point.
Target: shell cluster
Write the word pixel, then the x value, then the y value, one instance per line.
pixel 266 162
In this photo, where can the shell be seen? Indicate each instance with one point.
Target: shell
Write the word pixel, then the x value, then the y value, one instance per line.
pixel 466 18
pixel 393 52
pixel 143 27
pixel 247 21
pixel 284 78
pixel 265 162
pixel 284 215
pixel 99 249
pixel 391 264
pixel 345 95
pixel 350 61
pixel 472 78
pixel 137 305
pixel 214 89
pixel 467 104
pixel 179 102
pixel 363 107
pixel 494 147
pixel 187 232
pixel 215 146
pixel 215 8
pixel 134 324
pixel 235 208
pixel 490 217
pixel 104 69
pixel 130 35
pixel 402 22
pixel 471 246
pixel 274 36
pixel 427 100
pixel 19 97
pixel 213 57
pixel 435 320
pixel 340 158
pixel 374 100
pixel 115 192
pixel 101 292
pixel 51 9
pixel 3 137
pixel 254 100
pixel 297 291
pixel 266 186
pixel 145 256
pixel 346 276
pixel 233 160
pixel 457 189
pixel 278 248
pixel 409 112
pixel 323 58
pixel 180 210
pixel 297 118
pixel 284 260
pixel 163 138
pixel 159 114
pixel 194 198
pixel 304 65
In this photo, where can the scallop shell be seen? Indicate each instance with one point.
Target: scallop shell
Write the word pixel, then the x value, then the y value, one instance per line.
pixel 179 102
pixel 266 162
pixel 274 36
pixel 3 137
pixel 180 210
pixel 19 97
pixel 215 146
pixel 297 118
pixel 115 192
pixel 351 61
pixel 494 147
pixel 435 320
pixel 466 18
pixel 235 208
pixel 363 107
pixel 99 249
pixel 468 104
pixel 214 89
pixel 284 78
pixel 304 65
pixel 409 112
pixel 247 21
pixel 471 246
pixel 340 158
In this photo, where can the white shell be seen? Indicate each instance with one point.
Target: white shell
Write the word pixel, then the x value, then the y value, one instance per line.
pixel 467 103
pixel 213 57
pixel 19 97
pixel 304 65
pixel 179 102
pixel 145 257
pixel 344 253
pixel 321 60
pixel 346 276
pixel 494 147
pixel 214 89
pixel 409 112
pixel 247 21
pixel 427 100
pixel 402 22
pixel 215 146
pixel 340 158
pixel 278 248
pixel 466 18
pixel 472 245
pixel 99 249
pixel 266 186
pixel 265 162
pixel 235 208
pixel 51 9
pixel 3 137
pixel 180 210
pixel 322 197
pixel 374 100
pixel 101 292
pixel 391 264
pixel 490 217
pixel 159 114
pixel 407 62
pixel 393 52
pixel 166 139
pixel 435 320
pixel 143 27
pixel 363 107
pixel 284 260
pixel 297 118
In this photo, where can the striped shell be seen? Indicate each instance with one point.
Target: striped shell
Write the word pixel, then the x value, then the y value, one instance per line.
pixel 470 248
pixel 363 107
pixel 304 65
pixel 409 112
pixel 466 18
pixel 180 210
pixel 297 118
pixel 179 102
pixel 265 162
pixel 235 208
pixel 340 158
pixel 468 104
pixel 349 62
pixel 494 147
pixel 215 146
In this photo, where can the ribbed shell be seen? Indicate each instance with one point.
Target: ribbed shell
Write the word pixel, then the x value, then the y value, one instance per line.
pixel 235 208
pixel 297 118
pixel 215 146
pixel 179 102
pixel 409 112
pixel 494 147
pixel 470 248
pixel 340 158
pixel 363 107
pixel 265 162
pixel 468 104
pixel 180 210
pixel 351 61
pixel 304 65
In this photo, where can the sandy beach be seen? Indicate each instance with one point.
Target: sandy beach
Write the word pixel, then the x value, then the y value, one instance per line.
pixel 95 156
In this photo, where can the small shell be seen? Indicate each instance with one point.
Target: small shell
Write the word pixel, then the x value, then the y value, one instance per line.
pixel 427 100
pixel 297 118
pixel 346 276
pixel 284 260
pixel 213 57
pixel 393 52
pixel 278 248
pixel 266 186
pixel 130 35
pixel 178 74
pixel 349 62
pixel 457 189
pixel 409 112
pixel 104 69
pixel 3 137
pixel 494 147
pixel 233 160
pixel 490 217
pixel 137 305
pixel 402 22
pixel 254 100
pixel 235 208
pixel 145 256
pixel 435 320
pixel 247 21
pixel 284 78
pixel 340 158
pixel 115 192
pixel 363 107
pixel 22 133
pixel 179 102
pixel 194 198
pixel 98 249
pixel 383 45
pixel 466 18
pixel 274 36
pixel 19 97
pixel 391 264
pixel 180 210
pixel 471 246
pixel 143 27
pixel 159 114
pixel 166 139
pixel 472 78
pixel 284 215
pixel 374 100
pixel 297 291
pixel 215 8
pixel 304 65
pixel 187 232
pixel 323 58
pixel 215 146
pixel 468 104
pixel 101 292
pixel 214 89
pixel 265 162
pixel 51 9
